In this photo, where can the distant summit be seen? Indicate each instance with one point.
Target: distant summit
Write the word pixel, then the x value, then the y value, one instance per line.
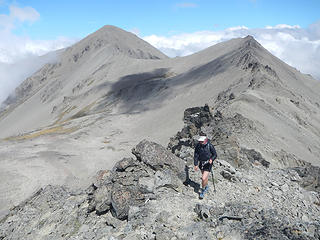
pixel 115 41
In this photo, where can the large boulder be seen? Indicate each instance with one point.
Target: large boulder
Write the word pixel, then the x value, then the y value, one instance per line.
pixel 159 158
pixel 197 116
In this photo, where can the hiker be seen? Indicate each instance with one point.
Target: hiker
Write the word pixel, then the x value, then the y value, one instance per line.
pixel 204 155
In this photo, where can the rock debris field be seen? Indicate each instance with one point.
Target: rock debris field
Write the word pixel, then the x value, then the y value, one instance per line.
pixel 154 195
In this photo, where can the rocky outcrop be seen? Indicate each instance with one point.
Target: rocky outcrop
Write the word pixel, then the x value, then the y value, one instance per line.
pixel 254 156
pixel 148 197
pixel 198 116
pixel 134 181
pixel 221 131
pixel 310 177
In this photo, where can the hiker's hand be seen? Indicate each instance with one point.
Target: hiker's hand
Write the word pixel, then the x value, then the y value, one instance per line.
pixel 210 161
pixel 196 168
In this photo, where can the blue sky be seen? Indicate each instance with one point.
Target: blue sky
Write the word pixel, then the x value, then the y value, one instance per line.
pixel 289 29
pixel 76 19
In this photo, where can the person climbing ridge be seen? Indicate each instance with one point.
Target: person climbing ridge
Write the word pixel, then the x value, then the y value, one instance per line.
pixel 204 155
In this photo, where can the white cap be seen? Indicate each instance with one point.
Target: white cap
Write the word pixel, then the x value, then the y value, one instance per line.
pixel 202 138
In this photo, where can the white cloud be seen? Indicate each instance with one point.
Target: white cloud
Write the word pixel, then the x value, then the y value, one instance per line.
pixel 24 14
pixel 299 47
pixel 237 28
pixel 19 55
pixel 14 48
pixel 6 23
pixel 283 26
pixel 16 15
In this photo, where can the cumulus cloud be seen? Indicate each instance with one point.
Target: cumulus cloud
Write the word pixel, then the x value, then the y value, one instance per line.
pixel 24 14
pixel 299 47
pixel 283 26
pixel 19 55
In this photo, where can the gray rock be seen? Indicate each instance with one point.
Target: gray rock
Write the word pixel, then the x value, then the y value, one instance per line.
pixel 285 187
pixel 102 199
pixel 113 222
pixel 203 211
pixel 227 166
pixel 228 175
pixel 167 179
pixel 125 163
pixel 133 212
pixel 186 153
pixel 84 228
pixel 147 184
pixel 309 177
pixel 198 115
pixel 253 156
pixel 120 200
pixel 158 158
pixel 103 177
pixel 163 233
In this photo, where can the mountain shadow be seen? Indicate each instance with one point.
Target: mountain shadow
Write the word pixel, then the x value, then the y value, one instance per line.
pixel 140 92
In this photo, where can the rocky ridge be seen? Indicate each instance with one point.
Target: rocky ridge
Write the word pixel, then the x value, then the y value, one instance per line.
pixel 155 194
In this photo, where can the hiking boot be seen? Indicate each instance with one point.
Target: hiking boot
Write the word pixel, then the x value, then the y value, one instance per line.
pixel 206 189
pixel 201 195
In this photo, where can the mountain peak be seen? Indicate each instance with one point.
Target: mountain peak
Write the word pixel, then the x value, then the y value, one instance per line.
pixel 114 41
pixel 250 52
pixel 250 41
pixel 110 29
pixel 249 38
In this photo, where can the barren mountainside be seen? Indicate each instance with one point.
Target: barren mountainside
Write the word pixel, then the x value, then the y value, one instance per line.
pixel 111 90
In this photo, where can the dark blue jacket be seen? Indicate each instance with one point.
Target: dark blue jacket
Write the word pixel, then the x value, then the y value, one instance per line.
pixel 204 152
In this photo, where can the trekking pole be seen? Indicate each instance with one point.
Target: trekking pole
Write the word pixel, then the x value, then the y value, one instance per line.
pixel 214 186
